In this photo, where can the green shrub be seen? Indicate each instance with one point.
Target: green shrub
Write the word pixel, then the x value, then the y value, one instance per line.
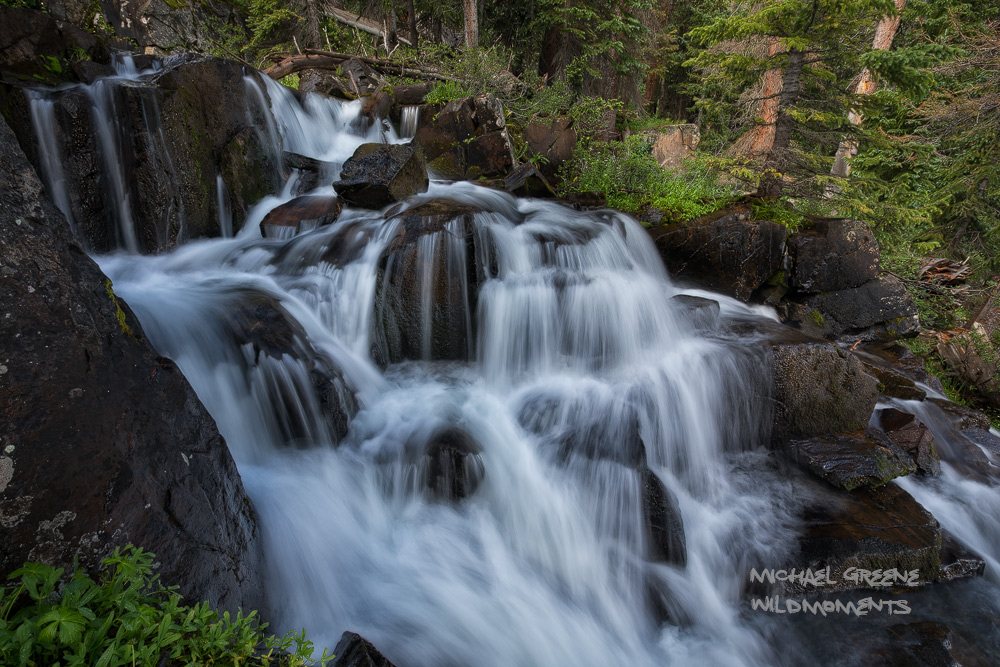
pixel 127 617
pixel 630 179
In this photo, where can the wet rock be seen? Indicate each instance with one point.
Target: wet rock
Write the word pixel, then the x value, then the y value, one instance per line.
pixel 453 464
pixel 729 256
pixel 359 77
pixel 891 381
pixel 701 313
pixel 553 142
pixel 878 310
pixel 832 255
pixel 288 374
pixel 958 562
pixel 325 82
pixel 819 389
pixel 526 181
pixel 248 173
pixel 489 155
pixel 924 644
pixel 353 650
pixel 912 436
pixel 301 214
pixel 125 452
pixel 313 172
pixel 449 165
pixel 865 458
pixel 964 417
pixel 869 529
pixel 380 174
pixel 594 427
pixel 375 106
pixel 432 254
pixel 664 523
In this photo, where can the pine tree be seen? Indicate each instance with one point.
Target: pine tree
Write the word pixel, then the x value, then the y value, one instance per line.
pixel 818 46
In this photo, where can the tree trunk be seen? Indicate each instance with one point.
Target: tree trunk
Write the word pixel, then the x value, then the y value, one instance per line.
pixel 312 37
pixel 777 157
pixel 885 32
pixel 471 23
pixel 412 14
pixel 757 141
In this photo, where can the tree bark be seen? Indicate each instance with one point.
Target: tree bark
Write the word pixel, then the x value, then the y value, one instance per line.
pixel 412 16
pixel 313 37
pixel 885 32
pixel 757 141
pixel 471 23
pixel 777 157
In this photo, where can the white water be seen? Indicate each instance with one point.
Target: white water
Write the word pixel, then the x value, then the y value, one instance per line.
pixel 580 354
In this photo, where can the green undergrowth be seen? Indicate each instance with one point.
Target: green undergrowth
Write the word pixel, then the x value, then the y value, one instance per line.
pixel 627 173
pixel 126 617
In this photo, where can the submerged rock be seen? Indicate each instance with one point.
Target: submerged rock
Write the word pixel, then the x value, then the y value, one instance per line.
pixel 453 465
pixel 381 174
pixel 701 313
pixel 427 285
pixel 301 214
pixel 105 443
pixel 664 523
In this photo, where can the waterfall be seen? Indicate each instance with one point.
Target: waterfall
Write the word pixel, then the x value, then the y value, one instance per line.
pixel 409 121
pixel 480 492
pixel 44 123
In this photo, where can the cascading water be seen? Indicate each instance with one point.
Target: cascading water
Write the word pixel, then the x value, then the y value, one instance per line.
pixel 487 502
pixel 409 121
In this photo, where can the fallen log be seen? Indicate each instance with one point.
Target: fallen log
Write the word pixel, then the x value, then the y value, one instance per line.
pixel 314 59
pixel 361 23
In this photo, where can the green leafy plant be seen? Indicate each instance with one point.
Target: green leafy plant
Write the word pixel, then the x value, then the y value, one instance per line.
pixel 127 617
pixel 627 173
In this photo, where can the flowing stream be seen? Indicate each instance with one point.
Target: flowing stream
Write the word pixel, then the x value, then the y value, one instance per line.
pixel 582 384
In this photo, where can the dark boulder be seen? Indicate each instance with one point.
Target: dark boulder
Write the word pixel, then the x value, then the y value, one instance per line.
pixel 410 94
pixel 452 465
pixel 924 644
pixel 958 562
pixel 359 77
pixel 289 376
pixel 912 436
pixel 819 389
pixel 526 181
pixel 866 458
pixel 734 257
pixel 381 174
pixel 879 310
pixel 105 443
pixel 325 82
pixel 869 529
pixel 554 143
pixel 488 114
pixel 832 255
pixel 446 127
pixel 36 47
pixel 664 524
pixel 301 214
pixel 489 155
pixel 353 650
pixel 432 252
